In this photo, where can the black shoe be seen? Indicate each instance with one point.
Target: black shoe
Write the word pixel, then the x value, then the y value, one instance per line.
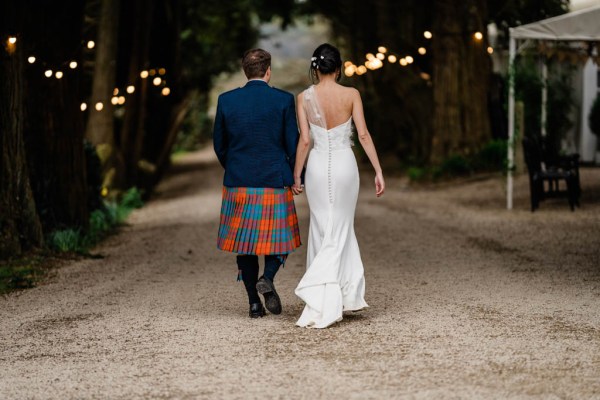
pixel 256 310
pixel 267 289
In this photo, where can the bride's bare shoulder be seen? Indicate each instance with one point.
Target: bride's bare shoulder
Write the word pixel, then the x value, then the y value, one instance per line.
pixel 349 90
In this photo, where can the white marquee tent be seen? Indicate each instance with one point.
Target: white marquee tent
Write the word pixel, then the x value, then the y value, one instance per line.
pixel 577 26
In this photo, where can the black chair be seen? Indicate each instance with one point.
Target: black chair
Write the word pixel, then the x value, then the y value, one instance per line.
pixel 566 170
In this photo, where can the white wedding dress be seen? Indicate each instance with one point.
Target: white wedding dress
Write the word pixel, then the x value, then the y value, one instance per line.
pixel 334 280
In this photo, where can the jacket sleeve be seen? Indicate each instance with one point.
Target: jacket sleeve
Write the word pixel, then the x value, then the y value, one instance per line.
pixel 220 141
pixel 291 134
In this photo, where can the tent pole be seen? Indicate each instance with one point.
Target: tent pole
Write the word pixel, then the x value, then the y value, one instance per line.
pixel 511 121
pixel 543 117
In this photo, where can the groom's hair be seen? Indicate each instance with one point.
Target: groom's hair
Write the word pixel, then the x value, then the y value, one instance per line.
pixel 255 63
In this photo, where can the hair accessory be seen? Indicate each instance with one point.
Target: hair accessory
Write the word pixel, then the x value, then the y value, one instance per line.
pixel 322 58
pixel 313 59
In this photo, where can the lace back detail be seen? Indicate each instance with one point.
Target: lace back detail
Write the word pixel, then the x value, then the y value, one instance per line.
pixel 313 110
pixel 336 138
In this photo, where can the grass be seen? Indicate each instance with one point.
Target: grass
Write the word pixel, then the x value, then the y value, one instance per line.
pixel 23 273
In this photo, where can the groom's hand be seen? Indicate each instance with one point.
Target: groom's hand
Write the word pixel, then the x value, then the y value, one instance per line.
pixel 297 187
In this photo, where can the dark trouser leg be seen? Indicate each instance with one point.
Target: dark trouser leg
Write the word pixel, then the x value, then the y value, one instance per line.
pixel 248 264
pixel 272 264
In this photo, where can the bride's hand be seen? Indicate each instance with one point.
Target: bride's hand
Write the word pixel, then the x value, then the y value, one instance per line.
pixel 379 184
pixel 297 187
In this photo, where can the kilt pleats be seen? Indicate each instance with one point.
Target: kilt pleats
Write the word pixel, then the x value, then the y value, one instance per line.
pixel 259 221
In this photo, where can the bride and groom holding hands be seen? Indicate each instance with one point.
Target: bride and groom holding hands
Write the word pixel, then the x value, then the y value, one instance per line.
pixel 257 142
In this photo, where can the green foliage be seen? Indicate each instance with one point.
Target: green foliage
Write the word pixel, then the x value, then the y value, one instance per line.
pixel 67 240
pixel 102 222
pixel 416 174
pixel 491 158
pixel 559 107
pixel 594 118
pixel 20 274
pixel 197 126
pixel 455 165
pixel 506 14
pixel 528 89
pixel 131 200
pixel 214 36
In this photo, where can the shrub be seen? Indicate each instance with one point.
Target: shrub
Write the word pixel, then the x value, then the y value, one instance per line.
pixel 491 157
pixel 68 240
pixel 102 221
pixel 456 166
pixel 416 173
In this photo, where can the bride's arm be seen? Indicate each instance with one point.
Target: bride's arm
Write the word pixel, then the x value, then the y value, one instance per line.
pixel 366 141
pixel 303 145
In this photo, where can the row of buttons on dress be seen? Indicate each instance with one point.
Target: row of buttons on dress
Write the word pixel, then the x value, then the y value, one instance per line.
pixel 330 189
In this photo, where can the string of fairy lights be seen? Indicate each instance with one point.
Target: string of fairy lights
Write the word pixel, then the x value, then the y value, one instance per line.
pixel 158 76
pixel 375 61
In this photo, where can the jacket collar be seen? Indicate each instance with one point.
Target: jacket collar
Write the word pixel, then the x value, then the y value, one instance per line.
pixel 256 82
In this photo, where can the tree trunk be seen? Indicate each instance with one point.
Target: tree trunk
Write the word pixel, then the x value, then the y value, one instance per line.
pixel 54 122
pixel 461 69
pixel 20 226
pixel 166 113
pixel 100 129
pixel 100 125
pixel 132 135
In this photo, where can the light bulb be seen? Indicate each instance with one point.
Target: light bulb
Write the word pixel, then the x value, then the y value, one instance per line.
pixel 114 100
pixel 73 64
pixel 115 91
pixel 144 74
pixel 382 49
pixel 162 71
pixel 422 51
pixel 427 35
pixel 130 89
pixel 99 106
pixel 156 81
pixel 91 44
pixel 490 50
pixel 478 35
pixel 48 73
pixel 58 74
pixel 12 40
pixel 121 100
pixel 31 60
pixel 370 56
pixel 83 106
pixel 380 56
pixel 403 62
pixel 392 58
pixel 409 59
pixel 166 91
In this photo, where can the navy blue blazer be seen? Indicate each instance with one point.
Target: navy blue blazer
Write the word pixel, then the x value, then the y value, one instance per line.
pixel 255 136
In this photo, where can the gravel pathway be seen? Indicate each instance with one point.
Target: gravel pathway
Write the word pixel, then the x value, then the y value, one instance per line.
pixel 467 301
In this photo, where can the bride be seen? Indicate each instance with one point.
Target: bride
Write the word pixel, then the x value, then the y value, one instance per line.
pixel 334 280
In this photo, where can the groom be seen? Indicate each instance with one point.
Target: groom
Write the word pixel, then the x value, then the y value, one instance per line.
pixel 255 138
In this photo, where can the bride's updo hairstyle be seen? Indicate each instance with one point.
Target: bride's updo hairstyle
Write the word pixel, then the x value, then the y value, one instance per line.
pixel 327 60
